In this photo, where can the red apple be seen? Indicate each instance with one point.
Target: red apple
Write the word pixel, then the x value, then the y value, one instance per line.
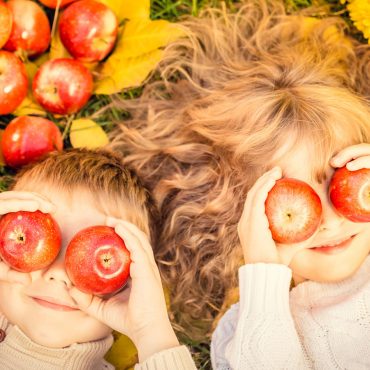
pixel 62 86
pixel 6 22
pixel 293 210
pixel 31 28
pixel 26 139
pixel 54 3
pixel 349 193
pixel 29 241
pixel 97 261
pixel 88 29
pixel 13 82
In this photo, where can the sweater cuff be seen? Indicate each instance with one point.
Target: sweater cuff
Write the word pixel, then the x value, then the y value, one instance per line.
pixel 178 358
pixel 264 287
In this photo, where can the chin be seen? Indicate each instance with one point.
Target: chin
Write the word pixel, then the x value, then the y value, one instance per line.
pixel 50 338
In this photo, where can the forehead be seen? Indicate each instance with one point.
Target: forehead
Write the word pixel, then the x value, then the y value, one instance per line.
pixel 304 159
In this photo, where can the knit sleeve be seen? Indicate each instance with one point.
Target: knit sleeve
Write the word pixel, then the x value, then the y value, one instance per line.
pixel 177 358
pixel 259 332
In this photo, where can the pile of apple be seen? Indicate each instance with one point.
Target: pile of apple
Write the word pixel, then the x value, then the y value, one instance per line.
pixel 88 30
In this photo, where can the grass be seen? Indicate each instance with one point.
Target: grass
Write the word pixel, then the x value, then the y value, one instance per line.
pixel 170 10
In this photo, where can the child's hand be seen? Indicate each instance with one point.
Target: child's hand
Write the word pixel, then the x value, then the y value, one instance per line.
pixel 14 201
pixel 253 228
pixel 354 157
pixel 139 311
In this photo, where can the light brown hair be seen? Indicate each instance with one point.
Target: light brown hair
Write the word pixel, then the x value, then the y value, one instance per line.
pixel 114 187
pixel 230 94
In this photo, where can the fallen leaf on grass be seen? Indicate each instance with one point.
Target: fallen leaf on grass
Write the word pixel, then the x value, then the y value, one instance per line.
pixel 85 133
pixel 128 9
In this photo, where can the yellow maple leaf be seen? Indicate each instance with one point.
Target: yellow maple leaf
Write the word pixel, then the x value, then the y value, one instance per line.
pixel 123 353
pixel 128 9
pixel 118 74
pixel 141 36
pixel 85 133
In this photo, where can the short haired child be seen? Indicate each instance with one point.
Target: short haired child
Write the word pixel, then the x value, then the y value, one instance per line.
pixel 258 95
pixel 45 321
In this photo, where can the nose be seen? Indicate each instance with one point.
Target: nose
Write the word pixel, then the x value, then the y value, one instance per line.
pixel 56 272
pixel 331 219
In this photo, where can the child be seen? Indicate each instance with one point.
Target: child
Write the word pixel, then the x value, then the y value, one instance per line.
pixel 45 322
pixel 235 90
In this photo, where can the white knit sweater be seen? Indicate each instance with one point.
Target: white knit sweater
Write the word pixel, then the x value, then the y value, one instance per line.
pixel 315 326
pixel 18 352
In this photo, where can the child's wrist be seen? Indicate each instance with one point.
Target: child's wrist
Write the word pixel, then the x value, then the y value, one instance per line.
pixel 154 339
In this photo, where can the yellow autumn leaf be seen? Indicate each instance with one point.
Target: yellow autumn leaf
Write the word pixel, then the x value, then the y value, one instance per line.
pixel 29 107
pixel 85 133
pixel 128 9
pixel 123 353
pixel 57 49
pixel 142 36
pixel 118 74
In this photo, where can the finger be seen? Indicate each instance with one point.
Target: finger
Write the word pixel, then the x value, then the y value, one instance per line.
pixel 142 263
pixel 257 196
pixel 359 163
pixel 8 206
pixel 29 205
pixel 349 153
pixel 139 234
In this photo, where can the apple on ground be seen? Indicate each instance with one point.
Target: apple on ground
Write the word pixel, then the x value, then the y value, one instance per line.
pixel 54 3
pixel 349 193
pixel 88 29
pixel 97 261
pixel 293 210
pixel 6 22
pixel 31 29
pixel 62 86
pixel 29 241
pixel 27 138
pixel 13 82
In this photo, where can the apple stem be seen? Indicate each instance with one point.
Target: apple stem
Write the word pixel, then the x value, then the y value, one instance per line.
pixel 18 236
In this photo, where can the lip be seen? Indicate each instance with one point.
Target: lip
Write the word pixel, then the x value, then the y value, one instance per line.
pixel 53 304
pixel 338 247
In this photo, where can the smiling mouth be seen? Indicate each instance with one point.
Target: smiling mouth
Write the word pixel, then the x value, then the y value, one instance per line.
pixel 335 247
pixel 53 305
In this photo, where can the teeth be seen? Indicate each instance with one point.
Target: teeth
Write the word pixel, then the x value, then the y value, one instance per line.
pixel 334 243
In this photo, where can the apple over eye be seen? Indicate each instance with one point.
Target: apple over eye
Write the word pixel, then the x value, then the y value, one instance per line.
pixel 293 210
pixel 349 193
pixel 29 241
pixel 97 261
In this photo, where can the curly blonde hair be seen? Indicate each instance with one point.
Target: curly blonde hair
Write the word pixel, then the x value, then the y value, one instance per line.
pixel 229 94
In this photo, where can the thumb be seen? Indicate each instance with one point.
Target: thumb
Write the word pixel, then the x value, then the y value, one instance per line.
pixel 88 303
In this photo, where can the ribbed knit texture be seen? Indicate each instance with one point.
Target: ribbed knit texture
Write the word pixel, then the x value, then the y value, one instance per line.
pixel 316 326
pixel 177 358
pixel 18 352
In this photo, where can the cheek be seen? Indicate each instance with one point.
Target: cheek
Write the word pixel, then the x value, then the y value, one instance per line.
pixel 11 304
